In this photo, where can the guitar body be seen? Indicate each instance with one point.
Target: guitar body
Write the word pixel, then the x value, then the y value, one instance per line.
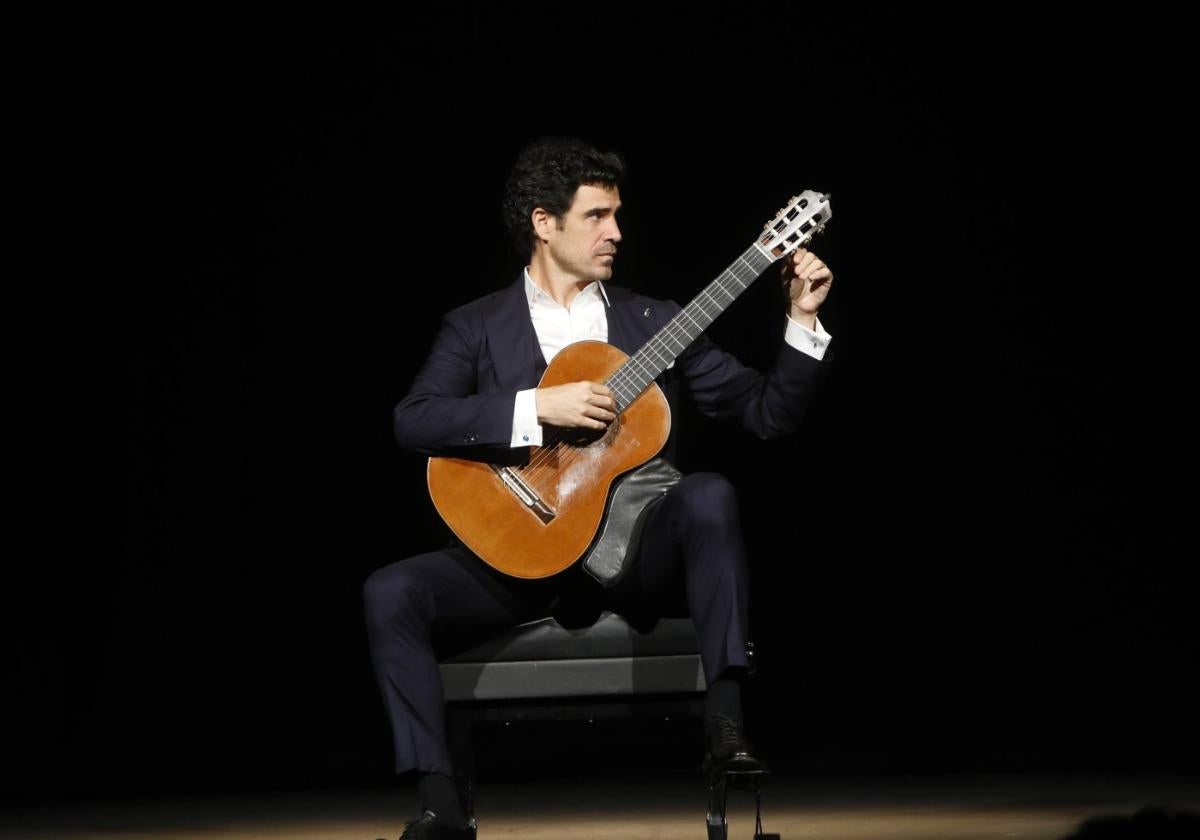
pixel 536 520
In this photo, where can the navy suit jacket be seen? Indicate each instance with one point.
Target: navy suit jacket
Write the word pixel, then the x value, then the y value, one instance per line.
pixel 461 403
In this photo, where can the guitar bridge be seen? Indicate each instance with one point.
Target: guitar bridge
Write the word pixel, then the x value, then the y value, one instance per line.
pixel 524 493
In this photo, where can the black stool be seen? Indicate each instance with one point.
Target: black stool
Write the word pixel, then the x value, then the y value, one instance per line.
pixel 610 669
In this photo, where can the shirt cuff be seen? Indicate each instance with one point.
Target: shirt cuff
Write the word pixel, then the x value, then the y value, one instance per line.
pixel 526 431
pixel 811 342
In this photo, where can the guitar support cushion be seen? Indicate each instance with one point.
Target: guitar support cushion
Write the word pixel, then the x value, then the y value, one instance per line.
pixel 634 493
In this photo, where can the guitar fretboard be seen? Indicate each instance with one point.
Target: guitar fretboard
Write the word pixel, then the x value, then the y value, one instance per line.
pixel 661 350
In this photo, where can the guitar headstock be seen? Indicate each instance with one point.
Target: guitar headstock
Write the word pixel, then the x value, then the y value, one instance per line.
pixel 803 218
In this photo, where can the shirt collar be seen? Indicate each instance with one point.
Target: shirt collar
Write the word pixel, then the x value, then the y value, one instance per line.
pixel 533 293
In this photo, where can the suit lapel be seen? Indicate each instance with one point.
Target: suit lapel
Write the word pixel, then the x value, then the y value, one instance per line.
pixel 511 339
pixel 513 344
pixel 628 326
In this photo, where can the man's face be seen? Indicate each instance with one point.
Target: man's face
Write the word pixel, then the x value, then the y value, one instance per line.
pixel 586 246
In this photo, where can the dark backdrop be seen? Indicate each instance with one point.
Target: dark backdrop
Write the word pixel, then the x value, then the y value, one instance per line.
pixel 948 564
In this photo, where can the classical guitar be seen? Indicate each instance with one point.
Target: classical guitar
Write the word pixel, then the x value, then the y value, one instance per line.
pixel 535 519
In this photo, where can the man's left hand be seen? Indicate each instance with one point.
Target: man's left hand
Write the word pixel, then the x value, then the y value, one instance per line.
pixel 806 282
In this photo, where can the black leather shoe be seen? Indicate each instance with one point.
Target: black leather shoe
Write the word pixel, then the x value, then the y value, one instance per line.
pixel 431 827
pixel 727 750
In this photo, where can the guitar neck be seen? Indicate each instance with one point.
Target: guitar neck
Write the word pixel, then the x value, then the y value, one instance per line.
pixel 657 354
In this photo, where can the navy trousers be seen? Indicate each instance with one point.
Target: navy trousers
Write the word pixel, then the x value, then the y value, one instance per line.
pixel 691 561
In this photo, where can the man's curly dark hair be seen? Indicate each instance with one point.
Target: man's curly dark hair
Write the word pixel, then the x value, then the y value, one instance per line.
pixel 546 174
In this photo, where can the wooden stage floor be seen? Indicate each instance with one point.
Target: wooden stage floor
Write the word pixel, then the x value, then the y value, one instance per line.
pixel 667 806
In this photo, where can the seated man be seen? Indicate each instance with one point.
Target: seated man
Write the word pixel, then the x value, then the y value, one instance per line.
pixel 478 388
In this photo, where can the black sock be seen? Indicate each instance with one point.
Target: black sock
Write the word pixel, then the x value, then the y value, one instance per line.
pixel 724 695
pixel 439 794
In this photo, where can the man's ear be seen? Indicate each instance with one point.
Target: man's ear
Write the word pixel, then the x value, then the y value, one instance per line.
pixel 542 222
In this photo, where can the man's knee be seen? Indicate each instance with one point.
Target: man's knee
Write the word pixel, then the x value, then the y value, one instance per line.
pixel 391 593
pixel 708 500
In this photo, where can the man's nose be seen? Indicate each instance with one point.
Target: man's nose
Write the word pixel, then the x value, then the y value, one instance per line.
pixel 614 232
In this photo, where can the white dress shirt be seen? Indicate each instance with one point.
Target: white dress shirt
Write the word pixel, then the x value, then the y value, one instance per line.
pixel 557 326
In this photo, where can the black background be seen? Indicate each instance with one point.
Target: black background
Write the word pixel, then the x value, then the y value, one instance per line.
pixel 950 564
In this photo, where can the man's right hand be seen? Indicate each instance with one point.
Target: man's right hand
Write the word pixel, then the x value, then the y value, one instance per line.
pixel 587 405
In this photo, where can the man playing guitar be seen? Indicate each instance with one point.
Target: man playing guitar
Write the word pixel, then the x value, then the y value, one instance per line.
pixel 477 398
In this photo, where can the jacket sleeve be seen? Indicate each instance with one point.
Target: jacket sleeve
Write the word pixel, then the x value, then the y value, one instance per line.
pixel 443 412
pixel 770 405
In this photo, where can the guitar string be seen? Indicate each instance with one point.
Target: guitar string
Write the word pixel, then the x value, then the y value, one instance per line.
pixel 552 460
pixel 640 362
pixel 541 462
